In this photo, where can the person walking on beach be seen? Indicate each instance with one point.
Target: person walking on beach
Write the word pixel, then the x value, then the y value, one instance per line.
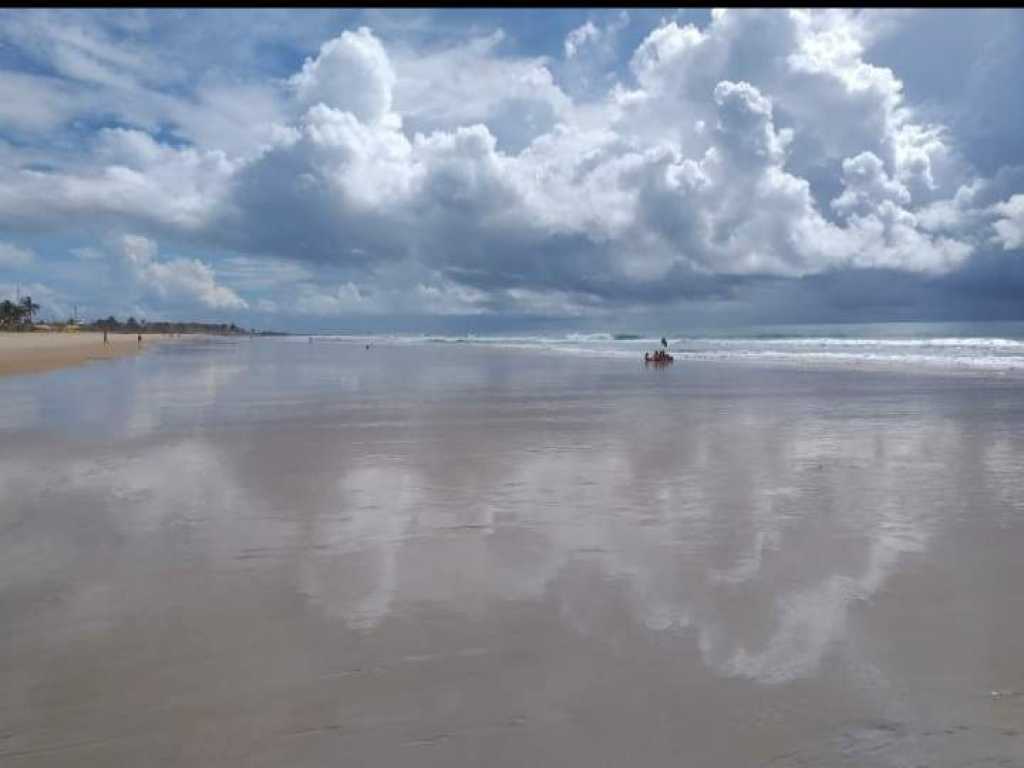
pixel 140 339
pixel 105 342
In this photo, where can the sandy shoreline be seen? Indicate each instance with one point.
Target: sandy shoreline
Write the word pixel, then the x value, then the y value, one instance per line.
pixel 22 353
pixel 270 554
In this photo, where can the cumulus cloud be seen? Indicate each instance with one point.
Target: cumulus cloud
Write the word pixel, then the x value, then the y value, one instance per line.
pixel 516 96
pixel 579 37
pixel 1010 227
pixel 352 73
pixel 763 144
pixel 188 279
pixel 590 55
pixel 745 122
pixel 867 186
pixel 132 175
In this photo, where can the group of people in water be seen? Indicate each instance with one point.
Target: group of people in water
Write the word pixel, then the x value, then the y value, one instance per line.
pixel 659 355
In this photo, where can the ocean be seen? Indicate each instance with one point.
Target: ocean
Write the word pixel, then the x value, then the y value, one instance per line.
pixel 994 347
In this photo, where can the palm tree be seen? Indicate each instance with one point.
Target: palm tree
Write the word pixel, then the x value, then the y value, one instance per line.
pixel 10 313
pixel 28 307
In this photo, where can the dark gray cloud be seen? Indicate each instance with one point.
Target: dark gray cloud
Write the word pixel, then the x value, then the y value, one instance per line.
pixel 956 65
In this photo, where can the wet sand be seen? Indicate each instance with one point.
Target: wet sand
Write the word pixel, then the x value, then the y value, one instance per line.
pixel 263 553
pixel 41 351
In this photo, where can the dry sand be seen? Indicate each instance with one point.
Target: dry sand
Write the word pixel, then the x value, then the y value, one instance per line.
pixel 36 352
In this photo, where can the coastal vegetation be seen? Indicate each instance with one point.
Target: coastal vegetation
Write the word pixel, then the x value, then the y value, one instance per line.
pixel 131 325
pixel 19 316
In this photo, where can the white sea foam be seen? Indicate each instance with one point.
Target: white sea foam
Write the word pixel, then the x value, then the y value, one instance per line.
pixel 950 352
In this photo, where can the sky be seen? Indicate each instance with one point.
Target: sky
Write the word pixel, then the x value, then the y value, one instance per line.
pixel 481 170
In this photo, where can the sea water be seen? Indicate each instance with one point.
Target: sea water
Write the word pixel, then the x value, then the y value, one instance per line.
pixel 995 347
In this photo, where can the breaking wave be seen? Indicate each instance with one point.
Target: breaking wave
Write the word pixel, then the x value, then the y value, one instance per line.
pixel 976 352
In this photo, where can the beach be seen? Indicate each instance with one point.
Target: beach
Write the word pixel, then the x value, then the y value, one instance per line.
pixel 45 351
pixel 269 552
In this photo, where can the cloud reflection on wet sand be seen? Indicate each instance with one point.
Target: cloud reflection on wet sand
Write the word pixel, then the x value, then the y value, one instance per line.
pixel 742 532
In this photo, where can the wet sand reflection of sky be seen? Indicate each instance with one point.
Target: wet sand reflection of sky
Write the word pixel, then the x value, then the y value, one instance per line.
pixel 749 533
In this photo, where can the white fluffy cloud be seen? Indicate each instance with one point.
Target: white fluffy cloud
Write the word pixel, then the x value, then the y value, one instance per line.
pixel 867 185
pixel 132 175
pixel 352 73
pixel 516 96
pixel 579 37
pixel 762 144
pixel 188 279
pixel 1010 227
pixel 590 52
